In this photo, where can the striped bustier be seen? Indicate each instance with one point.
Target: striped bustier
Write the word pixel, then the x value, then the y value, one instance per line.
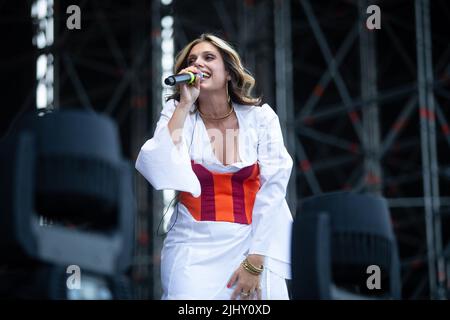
pixel 225 196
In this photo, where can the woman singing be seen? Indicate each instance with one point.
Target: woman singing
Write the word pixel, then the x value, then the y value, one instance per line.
pixel 224 154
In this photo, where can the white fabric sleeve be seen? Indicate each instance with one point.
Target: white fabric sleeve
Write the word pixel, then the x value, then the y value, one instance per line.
pixel 164 164
pixel 272 220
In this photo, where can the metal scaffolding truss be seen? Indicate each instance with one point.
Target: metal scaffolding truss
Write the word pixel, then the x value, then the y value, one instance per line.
pixel 436 266
pixel 374 128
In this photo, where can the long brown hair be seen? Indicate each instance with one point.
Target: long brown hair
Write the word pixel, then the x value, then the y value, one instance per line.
pixel 242 82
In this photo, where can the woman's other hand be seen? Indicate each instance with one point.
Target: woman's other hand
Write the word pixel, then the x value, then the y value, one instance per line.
pixel 247 284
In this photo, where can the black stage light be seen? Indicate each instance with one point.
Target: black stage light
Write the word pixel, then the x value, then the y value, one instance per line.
pixel 336 239
pixel 65 167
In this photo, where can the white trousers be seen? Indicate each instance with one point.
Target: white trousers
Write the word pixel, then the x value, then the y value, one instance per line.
pixel 197 282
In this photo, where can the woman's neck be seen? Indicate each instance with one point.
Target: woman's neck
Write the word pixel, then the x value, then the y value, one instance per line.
pixel 214 105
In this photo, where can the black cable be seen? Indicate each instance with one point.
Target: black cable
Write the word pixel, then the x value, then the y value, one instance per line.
pixel 176 195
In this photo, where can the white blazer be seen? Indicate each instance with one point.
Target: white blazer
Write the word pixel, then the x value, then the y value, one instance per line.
pixel 167 166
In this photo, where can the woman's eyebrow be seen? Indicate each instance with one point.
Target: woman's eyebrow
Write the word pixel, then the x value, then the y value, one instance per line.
pixel 204 52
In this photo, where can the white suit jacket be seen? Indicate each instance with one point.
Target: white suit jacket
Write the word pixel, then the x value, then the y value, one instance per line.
pixel 168 166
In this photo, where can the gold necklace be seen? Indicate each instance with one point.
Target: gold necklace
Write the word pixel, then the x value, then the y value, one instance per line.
pixel 219 118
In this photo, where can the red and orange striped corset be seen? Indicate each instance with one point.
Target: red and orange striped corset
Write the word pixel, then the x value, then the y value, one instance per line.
pixel 225 196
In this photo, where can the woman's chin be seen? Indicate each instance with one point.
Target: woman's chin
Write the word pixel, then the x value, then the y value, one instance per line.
pixel 204 86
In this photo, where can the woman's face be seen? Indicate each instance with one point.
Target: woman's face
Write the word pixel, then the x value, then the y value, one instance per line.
pixel 207 58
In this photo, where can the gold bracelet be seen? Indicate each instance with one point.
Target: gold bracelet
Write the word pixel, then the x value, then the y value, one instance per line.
pixel 254 267
pixel 251 268
pixel 245 266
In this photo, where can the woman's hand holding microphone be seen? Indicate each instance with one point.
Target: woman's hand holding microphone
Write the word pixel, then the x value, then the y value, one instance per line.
pixel 188 95
pixel 189 92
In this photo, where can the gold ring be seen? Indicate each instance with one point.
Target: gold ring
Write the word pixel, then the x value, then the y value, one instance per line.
pixel 245 294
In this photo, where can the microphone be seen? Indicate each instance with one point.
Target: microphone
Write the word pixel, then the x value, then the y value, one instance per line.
pixel 188 77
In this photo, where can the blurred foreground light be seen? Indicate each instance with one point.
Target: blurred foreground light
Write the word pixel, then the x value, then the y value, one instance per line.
pixel 167 22
pixel 41 66
pixel 41 96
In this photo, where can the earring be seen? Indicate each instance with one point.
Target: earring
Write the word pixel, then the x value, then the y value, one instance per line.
pixel 228 93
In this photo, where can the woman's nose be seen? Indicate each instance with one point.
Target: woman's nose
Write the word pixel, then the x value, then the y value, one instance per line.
pixel 198 63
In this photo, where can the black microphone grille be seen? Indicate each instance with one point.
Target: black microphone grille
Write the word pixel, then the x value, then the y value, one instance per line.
pixel 170 81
